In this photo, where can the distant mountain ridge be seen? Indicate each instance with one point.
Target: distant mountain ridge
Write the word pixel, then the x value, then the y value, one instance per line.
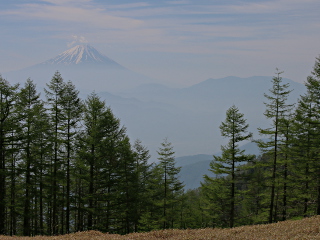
pixel 194 167
pixel 189 117
pixel 86 67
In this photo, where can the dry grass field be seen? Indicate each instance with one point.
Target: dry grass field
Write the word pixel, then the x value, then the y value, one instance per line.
pixel 308 228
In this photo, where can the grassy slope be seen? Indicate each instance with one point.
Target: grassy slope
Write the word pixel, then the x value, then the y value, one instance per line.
pixel 308 228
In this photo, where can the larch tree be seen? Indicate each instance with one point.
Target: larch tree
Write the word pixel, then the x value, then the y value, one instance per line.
pixel 90 141
pixel 143 169
pixel 276 110
pixel 8 97
pixel 307 140
pixel 72 110
pixel 109 170
pixel 30 110
pixel 235 129
pixel 55 93
pixel 170 185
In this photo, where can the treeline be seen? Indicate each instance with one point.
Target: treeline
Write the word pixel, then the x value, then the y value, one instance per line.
pixel 284 182
pixel 67 165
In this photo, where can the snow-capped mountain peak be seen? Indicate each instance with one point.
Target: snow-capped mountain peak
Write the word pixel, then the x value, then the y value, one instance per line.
pixel 81 54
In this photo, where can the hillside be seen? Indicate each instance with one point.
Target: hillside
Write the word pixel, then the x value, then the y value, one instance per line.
pixel 194 167
pixel 307 228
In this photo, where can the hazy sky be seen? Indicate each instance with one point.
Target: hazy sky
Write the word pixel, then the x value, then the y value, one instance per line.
pixel 179 42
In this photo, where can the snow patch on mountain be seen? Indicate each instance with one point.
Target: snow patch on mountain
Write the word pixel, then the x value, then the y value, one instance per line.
pixel 81 54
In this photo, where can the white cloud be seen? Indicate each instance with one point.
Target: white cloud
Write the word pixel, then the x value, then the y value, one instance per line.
pixel 174 28
pixel 272 6
pixel 178 2
pixel 245 32
pixel 86 14
pixel 129 5
pixel 63 2
pixel 77 39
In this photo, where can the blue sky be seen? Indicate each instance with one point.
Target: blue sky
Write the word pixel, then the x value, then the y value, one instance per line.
pixel 179 42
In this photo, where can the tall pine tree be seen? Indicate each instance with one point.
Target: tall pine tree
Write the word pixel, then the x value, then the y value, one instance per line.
pixel 235 128
pixel 30 111
pixel 7 123
pixel 276 110
pixel 55 93
pixel 170 185
pixel 72 110
pixel 307 140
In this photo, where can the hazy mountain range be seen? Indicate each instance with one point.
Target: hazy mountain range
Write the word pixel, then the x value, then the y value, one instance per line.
pixel 88 69
pixel 194 167
pixel 189 117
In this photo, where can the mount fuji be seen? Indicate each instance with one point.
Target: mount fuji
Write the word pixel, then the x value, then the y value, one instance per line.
pixel 86 67
pixel 82 55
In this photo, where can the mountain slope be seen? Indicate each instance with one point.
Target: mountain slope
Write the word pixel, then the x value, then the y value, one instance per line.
pixel 86 67
pixel 82 54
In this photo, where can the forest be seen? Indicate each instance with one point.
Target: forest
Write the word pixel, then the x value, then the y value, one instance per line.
pixel 67 165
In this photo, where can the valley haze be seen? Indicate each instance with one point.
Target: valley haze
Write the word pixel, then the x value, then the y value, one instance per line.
pixel 189 116
pixel 172 58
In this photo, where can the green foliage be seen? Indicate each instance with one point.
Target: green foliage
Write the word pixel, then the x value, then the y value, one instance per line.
pixel 31 114
pixel 166 188
pixel 222 192
pixel 279 112
pixel 8 128
pixel 68 165
pixel 305 145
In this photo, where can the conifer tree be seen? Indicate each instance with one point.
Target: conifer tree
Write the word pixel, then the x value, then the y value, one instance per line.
pixel 109 168
pixel 14 196
pixel 30 112
pixel 72 110
pixel 194 210
pixel 150 218
pixel 126 185
pixel 170 184
pixel 255 189
pixel 285 159
pixel 143 170
pixel 89 159
pixel 55 93
pixel 307 140
pixel 7 102
pixel 303 149
pixel 276 110
pixel 42 170
pixel 234 128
